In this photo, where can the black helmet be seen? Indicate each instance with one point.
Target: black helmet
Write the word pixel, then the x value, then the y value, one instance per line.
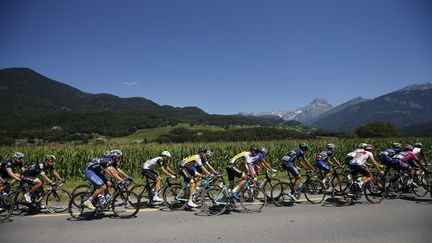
pixel 396 145
pixel 304 146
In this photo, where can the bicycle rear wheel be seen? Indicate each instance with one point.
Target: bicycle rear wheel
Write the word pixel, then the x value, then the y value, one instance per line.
pixel 374 191
pixel 315 191
pixel 253 198
pixel 125 204
pixel 57 201
pixel 21 206
pixel 77 209
pixel 175 197
pixel 214 201
pixel 336 182
pixel 420 186
pixel 281 195
pixel 268 187
pixel 6 208
pixel 344 197
pixel 140 191
pixel 80 188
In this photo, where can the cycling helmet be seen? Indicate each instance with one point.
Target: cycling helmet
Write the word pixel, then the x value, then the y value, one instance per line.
pixel 409 147
pixel 331 146
pixel 418 145
pixel 369 147
pixel 263 150
pixel 17 155
pixel 166 154
pixel 115 153
pixel 50 157
pixel 209 154
pixel 362 145
pixel 304 146
pixel 396 145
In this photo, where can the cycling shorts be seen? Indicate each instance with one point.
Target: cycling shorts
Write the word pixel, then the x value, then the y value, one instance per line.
pixel 188 174
pixel 150 174
pixel 322 165
pixel 233 172
pixel 97 179
pixel 31 180
pixel 359 169
pixel 290 167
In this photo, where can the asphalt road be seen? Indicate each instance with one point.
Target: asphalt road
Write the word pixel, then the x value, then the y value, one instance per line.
pixel 398 220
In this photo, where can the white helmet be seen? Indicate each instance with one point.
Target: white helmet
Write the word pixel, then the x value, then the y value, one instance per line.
pixel 116 153
pixel 107 153
pixel 263 151
pixel 209 154
pixel 17 155
pixel 166 153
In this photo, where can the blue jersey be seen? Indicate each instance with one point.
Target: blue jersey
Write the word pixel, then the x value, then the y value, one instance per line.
pixel 324 155
pixel 293 155
pixel 98 164
pixel 257 159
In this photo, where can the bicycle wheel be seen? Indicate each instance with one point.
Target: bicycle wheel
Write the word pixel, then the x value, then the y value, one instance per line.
pixel 315 191
pixel 281 195
pixel 80 188
pixel 125 204
pixel 175 197
pixel 253 198
pixel 140 191
pixel 336 182
pixel 268 187
pixel 6 208
pixel 21 206
pixel 77 209
pixel 420 185
pixel 344 197
pixel 374 191
pixel 57 201
pixel 214 201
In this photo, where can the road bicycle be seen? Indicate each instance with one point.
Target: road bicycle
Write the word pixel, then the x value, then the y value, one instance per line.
pixel 217 200
pixel 6 202
pixel 145 191
pixel 55 198
pixel 123 203
pixel 176 196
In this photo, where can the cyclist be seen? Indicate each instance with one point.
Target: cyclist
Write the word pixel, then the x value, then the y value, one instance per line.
pixel 326 156
pixel 94 174
pixel 396 147
pixel 419 152
pixel 409 160
pixel 7 167
pixel 288 164
pixel 149 172
pixel 358 159
pixel 260 161
pixel 114 169
pixel 244 160
pixel 189 167
pixel 35 170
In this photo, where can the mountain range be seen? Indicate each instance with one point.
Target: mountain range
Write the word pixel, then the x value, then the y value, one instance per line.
pixel 32 104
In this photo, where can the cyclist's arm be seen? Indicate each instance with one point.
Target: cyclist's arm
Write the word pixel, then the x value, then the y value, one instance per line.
pixel 122 173
pixel 205 170
pixel 251 170
pixel 266 164
pixel 45 177
pixel 376 165
pixel 57 175
pixel 308 165
pixel 211 168
pixel 13 175
pixel 167 171
pixel 113 173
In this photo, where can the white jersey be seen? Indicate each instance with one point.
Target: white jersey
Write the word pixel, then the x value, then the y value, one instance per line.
pixel 153 163
pixel 417 151
pixel 360 156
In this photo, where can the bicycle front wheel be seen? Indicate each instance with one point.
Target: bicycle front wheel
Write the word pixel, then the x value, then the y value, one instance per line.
pixel 268 187
pixel 315 191
pixel 125 204
pixel 374 191
pixel 175 197
pixel 57 201
pixel 253 198
pixel 281 195
pixel 214 201
pixel 6 208
pixel 80 188
pixel 421 185
pixel 344 197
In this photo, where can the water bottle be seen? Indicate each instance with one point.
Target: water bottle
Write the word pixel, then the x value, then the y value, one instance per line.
pixel 101 199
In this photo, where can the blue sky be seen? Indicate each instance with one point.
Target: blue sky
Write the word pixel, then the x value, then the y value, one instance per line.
pixel 224 56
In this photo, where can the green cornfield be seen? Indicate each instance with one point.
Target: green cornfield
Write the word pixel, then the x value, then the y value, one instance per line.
pixel 71 159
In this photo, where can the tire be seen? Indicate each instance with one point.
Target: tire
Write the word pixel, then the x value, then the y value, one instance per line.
pixel 6 208
pixel 344 197
pixel 281 195
pixel 125 204
pixel 77 209
pixel 336 182
pixel 315 191
pixel 253 198
pixel 141 192
pixel 421 185
pixel 57 201
pixel 268 187
pixel 175 197
pixel 80 188
pixel 374 191
pixel 214 201
pixel 20 204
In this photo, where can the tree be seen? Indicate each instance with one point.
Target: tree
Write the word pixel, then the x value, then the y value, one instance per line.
pixel 376 129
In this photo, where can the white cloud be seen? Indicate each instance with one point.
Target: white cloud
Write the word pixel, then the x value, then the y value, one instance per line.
pixel 130 83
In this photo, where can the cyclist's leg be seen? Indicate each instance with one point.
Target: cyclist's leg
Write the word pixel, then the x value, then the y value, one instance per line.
pixel 323 166
pixel 99 183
